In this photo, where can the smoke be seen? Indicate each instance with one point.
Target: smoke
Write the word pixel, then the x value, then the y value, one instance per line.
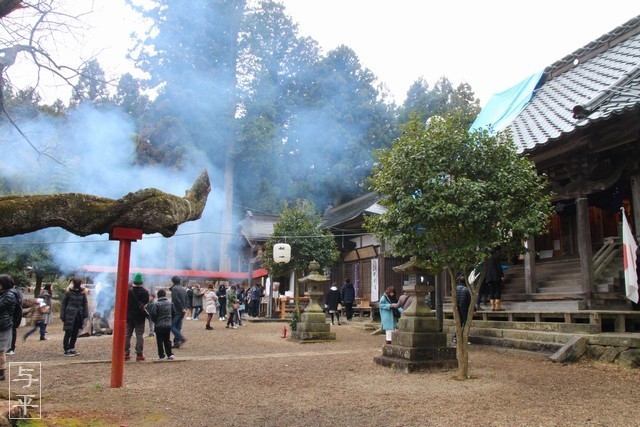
pixel 91 151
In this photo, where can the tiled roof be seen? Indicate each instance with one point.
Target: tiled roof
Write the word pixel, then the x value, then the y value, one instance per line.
pixel 363 205
pixel 593 83
pixel 258 228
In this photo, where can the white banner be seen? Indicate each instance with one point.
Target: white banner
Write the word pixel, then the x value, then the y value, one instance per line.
pixel 374 280
pixel 629 248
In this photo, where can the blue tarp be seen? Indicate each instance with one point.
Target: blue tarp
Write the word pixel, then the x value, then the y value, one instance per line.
pixel 505 106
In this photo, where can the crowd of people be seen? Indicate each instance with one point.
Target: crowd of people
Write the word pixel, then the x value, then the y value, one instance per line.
pixel 162 317
pixel 152 311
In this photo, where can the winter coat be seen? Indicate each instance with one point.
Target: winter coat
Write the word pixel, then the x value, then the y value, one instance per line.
pixel 332 299
pixel 210 301
pixel 222 295
pixel 36 312
pixel 231 298
pixel 387 321
pixel 189 298
pixel 348 293
pixel 494 269
pixel 197 297
pixel 74 303
pixel 179 298
pixel 137 299
pixel 46 296
pixel 162 311
pixel 463 300
pixel 17 318
pixel 8 304
pixel 404 301
pixel 256 293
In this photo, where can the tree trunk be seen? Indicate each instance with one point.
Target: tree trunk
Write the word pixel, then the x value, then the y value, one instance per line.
pixel 462 334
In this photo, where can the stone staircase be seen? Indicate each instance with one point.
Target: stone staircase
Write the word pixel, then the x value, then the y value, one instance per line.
pixel 610 289
pixel 540 339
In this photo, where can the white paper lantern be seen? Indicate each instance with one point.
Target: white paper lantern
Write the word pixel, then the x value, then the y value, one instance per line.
pixel 281 253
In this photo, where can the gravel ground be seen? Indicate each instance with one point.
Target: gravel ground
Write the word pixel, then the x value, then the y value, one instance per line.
pixel 252 377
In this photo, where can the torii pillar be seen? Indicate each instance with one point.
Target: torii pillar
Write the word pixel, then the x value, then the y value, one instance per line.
pixel 125 236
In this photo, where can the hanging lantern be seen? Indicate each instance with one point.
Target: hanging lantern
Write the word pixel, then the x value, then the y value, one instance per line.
pixel 281 253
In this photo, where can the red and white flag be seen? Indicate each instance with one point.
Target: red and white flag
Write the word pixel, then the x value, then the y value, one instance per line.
pixel 629 247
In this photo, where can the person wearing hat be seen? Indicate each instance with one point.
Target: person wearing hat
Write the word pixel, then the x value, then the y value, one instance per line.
pixel 136 316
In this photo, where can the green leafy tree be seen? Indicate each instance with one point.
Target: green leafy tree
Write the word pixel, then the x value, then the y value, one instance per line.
pixel 452 196
pixel 299 226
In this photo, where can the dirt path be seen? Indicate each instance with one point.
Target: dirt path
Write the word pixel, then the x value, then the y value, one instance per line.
pixel 252 377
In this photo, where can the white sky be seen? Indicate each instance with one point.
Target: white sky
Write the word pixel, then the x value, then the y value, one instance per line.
pixel 490 44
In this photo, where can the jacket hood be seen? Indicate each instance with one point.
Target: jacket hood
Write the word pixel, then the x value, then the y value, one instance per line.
pixel 82 290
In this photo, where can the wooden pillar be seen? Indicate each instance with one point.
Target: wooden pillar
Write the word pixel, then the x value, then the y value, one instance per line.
pixel 530 282
pixel 635 198
pixel 584 248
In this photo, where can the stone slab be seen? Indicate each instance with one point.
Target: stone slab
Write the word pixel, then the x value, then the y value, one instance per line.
pixel 418 324
pixel 313 327
pixel 415 339
pixel 313 336
pixel 409 366
pixel 419 354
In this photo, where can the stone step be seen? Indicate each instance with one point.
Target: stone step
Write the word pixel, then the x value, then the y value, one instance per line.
pixel 542 348
pixel 522 335
pixel 525 306
pixel 560 288
pixel 543 326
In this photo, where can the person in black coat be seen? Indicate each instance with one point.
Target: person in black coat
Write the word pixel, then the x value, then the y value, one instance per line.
pixel 348 296
pixel 73 312
pixel 8 307
pixel 331 303
pixel 463 301
pixel 136 317
pixel 222 302
pixel 162 312
pixel 494 279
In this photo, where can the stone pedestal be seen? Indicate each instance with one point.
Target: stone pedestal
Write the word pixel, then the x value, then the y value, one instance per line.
pixel 313 326
pixel 417 344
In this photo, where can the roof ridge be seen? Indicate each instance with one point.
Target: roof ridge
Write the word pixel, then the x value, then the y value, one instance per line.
pixel 591 49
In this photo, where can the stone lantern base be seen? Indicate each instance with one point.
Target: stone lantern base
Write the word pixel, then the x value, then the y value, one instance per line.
pixel 417 345
pixel 313 327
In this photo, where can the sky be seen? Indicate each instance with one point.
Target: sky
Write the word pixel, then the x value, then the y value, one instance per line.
pixel 490 44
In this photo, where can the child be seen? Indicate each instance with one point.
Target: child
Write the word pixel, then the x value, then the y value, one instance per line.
pixel 161 311
pixel 37 312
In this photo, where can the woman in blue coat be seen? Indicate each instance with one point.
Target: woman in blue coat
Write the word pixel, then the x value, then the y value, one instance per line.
pixel 388 321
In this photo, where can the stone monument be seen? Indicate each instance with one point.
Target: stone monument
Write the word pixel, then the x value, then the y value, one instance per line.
pixel 313 326
pixel 417 344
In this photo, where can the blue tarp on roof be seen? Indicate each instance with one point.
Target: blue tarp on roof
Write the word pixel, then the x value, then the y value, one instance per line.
pixel 505 106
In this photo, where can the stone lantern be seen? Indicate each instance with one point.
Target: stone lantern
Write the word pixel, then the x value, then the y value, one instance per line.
pixel 417 344
pixel 313 326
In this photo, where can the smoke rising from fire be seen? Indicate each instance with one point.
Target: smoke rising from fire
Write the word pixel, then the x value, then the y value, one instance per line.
pixel 94 154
